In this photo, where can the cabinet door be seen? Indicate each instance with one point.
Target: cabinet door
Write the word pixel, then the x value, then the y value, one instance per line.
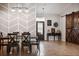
pixel 68 35
pixel 76 28
pixel 76 20
pixel 69 21
pixel 69 25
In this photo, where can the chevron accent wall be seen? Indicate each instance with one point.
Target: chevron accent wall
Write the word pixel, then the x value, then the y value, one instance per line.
pixel 16 21
pixel 4 18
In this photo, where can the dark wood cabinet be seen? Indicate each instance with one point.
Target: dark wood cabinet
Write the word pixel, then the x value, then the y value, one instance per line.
pixel 69 26
pixel 69 22
pixel 72 27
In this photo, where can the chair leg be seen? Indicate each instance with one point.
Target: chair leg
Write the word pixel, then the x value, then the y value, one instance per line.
pixel 17 50
pixel 38 47
pixel 0 46
pixel 30 48
pixel 22 49
pixel 8 49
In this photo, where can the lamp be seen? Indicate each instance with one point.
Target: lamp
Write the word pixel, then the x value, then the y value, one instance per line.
pixel 20 9
pixel 26 10
pixel 13 10
pixel 43 12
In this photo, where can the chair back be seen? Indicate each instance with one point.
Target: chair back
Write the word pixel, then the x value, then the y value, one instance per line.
pixel 1 35
pixel 16 33
pixel 12 36
pixel 25 36
pixel 25 33
pixel 4 41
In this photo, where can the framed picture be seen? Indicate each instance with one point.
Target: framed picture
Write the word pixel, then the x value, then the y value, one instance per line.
pixel 49 22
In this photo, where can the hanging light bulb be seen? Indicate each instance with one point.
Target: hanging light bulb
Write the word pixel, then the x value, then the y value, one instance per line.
pixel 19 10
pixel 13 10
pixel 43 12
pixel 26 10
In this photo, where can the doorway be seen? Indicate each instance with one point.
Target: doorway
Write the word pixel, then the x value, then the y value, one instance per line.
pixel 40 29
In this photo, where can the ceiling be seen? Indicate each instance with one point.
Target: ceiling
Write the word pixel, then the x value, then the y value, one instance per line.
pixel 56 8
pixel 53 8
pixel 50 8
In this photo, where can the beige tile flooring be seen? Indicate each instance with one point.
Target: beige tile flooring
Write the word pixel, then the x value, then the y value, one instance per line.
pixel 52 48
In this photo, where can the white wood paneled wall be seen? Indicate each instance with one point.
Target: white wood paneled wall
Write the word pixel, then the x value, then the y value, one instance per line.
pixel 17 21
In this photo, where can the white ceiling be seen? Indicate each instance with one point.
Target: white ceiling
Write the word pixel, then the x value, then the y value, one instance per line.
pixel 53 8
pixel 50 8
pixel 56 8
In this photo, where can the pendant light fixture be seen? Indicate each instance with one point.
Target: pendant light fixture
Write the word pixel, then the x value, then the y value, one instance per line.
pixel 20 8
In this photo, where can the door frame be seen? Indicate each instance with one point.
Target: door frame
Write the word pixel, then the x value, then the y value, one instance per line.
pixel 43 28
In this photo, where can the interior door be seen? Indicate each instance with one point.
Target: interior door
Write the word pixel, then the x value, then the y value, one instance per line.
pixel 40 29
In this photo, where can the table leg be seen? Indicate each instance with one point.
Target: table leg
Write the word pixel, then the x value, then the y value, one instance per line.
pixel 47 37
pixel 0 43
pixel 54 37
pixel 30 48
pixel 59 37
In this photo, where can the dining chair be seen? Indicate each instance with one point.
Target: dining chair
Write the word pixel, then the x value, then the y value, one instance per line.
pixel 12 43
pixel 35 40
pixel 17 33
pixel 3 42
pixel 25 41
pixel 1 35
